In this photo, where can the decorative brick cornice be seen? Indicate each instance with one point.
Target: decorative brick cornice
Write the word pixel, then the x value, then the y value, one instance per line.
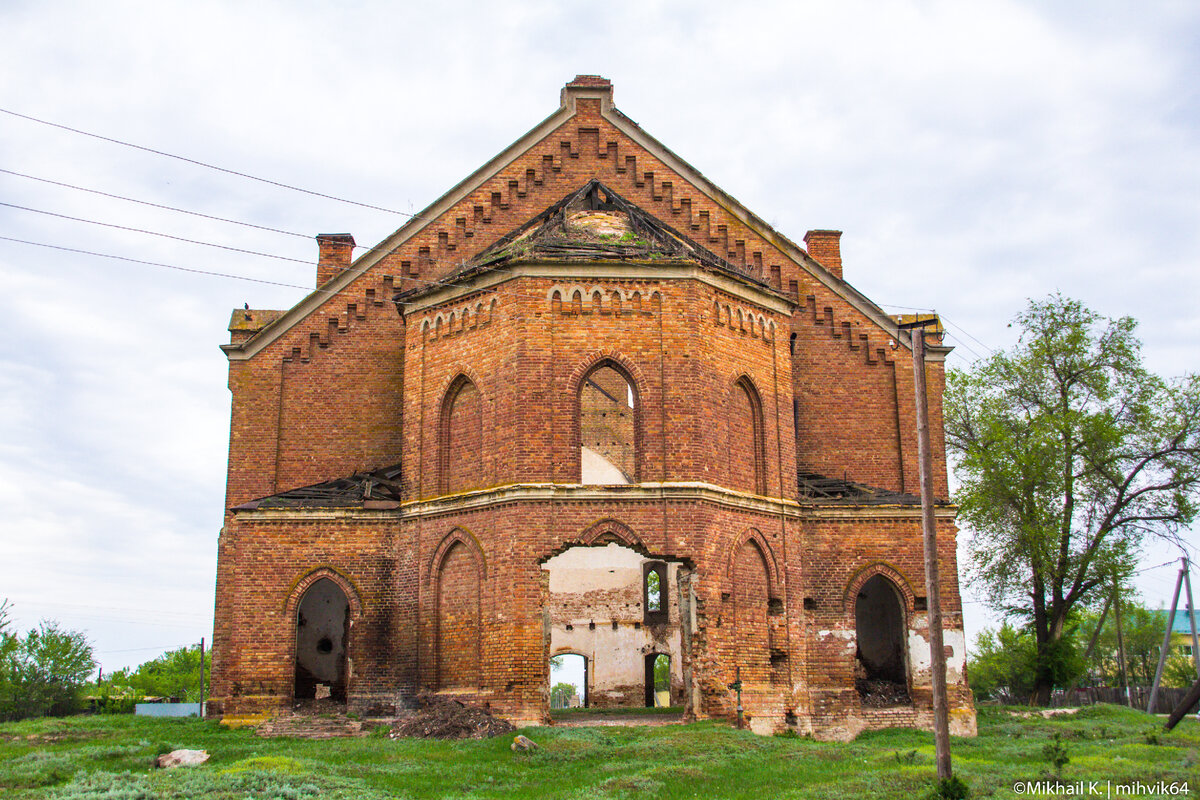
pixel 536 493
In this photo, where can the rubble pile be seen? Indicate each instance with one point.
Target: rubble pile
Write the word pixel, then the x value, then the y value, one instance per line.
pixel 446 718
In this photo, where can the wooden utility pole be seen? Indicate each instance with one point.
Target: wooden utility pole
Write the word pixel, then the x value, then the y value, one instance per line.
pixel 1185 705
pixel 1184 579
pixel 201 676
pixel 1166 643
pixel 1191 611
pixel 1121 644
pixel 937 650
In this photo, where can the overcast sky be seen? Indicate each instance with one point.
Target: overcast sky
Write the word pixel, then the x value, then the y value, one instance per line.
pixel 975 155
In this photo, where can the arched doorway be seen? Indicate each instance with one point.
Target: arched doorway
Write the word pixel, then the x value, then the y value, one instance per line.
pixel 602 602
pixel 568 681
pixel 322 641
pixel 658 680
pixel 881 674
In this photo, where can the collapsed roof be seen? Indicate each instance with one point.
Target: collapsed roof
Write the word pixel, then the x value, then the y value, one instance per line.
pixel 593 223
pixel 379 489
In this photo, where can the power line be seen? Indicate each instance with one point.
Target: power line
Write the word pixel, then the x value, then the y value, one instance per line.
pixel 948 321
pixel 205 164
pixel 441 282
pixel 1156 566
pixel 963 342
pixel 153 233
pixel 153 205
pixel 164 648
pixel 154 263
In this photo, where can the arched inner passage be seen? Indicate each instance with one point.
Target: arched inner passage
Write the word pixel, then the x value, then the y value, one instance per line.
pixel 880 673
pixel 658 680
pixel 597 607
pixel 322 633
pixel 607 405
pixel 568 681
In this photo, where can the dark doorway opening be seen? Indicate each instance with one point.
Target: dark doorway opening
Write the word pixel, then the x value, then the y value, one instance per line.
pixel 880 672
pixel 322 633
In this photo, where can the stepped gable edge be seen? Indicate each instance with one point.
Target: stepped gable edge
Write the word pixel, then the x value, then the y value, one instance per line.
pixel 595 93
pixel 554 236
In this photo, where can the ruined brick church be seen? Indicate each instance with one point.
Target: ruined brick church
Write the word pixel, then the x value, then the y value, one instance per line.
pixel 588 405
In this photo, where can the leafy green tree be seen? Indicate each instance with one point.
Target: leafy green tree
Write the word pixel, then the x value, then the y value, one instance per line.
pixel 662 673
pixel 174 674
pixel 1180 671
pixel 1068 452
pixel 561 694
pixel 42 673
pixel 1142 630
pixel 1002 662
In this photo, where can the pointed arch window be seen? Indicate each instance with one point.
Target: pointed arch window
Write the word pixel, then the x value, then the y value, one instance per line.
pixel 460 438
pixel 608 425
pixel 747 450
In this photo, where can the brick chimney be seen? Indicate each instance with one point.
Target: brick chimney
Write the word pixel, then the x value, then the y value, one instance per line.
pixel 826 248
pixel 587 87
pixel 336 250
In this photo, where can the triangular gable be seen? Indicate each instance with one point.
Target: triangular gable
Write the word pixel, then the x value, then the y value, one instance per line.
pixel 583 88
pixel 592 224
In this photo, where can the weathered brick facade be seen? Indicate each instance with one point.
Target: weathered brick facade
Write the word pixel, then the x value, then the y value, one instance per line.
pixel 456 386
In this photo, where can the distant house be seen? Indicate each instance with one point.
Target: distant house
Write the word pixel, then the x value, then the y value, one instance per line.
pixel 1181 630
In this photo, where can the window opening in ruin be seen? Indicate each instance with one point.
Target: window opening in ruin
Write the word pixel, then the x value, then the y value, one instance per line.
pixel 607 405
pixel 322 631
pixel 880 673
pixel 658 680
pixel 597 606
pixel 568 681
pixel 655 594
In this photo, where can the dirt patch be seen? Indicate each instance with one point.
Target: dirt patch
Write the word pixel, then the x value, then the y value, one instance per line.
pixel 882 694
pixel 445 718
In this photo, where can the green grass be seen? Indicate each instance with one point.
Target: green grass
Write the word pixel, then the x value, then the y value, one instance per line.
pixel 108 758
pixel 576 714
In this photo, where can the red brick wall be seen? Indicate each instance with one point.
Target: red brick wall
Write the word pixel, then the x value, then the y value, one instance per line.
pixel 458 624
pixel 454 597
pixel 343 368
pixel 752 639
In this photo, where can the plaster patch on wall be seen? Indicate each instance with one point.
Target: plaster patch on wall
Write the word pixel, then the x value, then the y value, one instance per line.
pixel 849 635
pixel 957 662
pixel 919 655
pixel 918 652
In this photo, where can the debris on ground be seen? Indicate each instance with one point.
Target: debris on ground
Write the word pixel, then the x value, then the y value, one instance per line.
pixel 446 718
pixel 314 719
pixel 882 694
pixel 523 743
pixel 181 758
pixel 1045 713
